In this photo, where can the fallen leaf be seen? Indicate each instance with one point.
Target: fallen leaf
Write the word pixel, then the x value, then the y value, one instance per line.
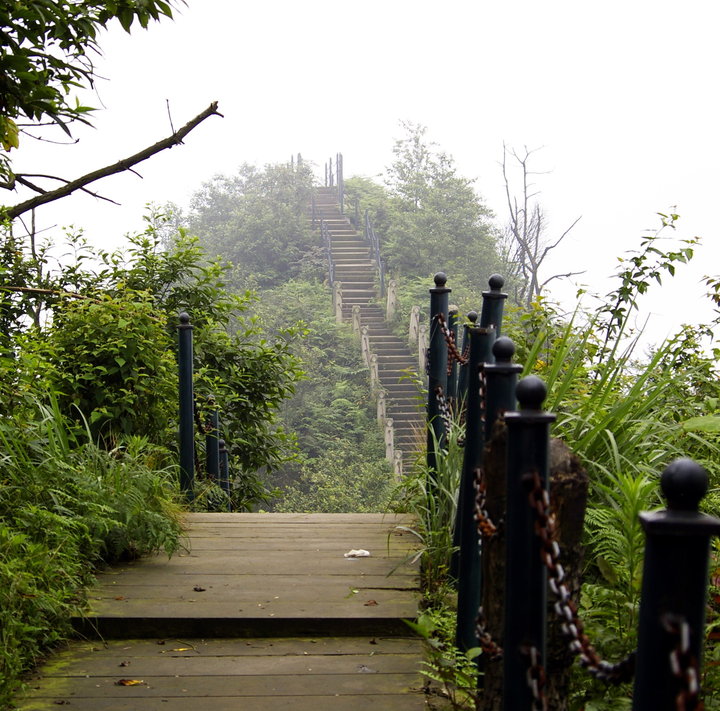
pixel 124 664
pixel 371 603
pixel 120 597
pixel 129 682
pixel 198 588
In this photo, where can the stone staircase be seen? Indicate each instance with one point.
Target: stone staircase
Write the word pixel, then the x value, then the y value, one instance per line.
pixel 396 366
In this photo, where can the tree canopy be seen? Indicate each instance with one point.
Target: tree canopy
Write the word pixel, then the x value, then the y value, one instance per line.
pixel 429 217
pixel 257 219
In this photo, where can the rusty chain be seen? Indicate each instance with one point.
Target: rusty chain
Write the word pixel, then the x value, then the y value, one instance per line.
pixel 486 528
pixel 683 663
pixel 488 644
pixel 572 626
pixel 453 353
pixel 536 679
pixel 443 408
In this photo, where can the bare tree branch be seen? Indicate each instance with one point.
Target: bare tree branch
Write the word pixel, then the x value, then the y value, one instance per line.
pixel 527 226
pixel 22 179
pixel 119 167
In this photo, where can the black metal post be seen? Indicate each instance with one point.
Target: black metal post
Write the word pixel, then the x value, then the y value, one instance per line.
pixel 186 415
pixel 500 383
pixel 453 370
pixel 672 607
pixel 493 304
pixel 437 367
pixel 463 374
pixel 357 214
pixel 481 341
pixel 525 574
pixel 212 448
pixel 225 470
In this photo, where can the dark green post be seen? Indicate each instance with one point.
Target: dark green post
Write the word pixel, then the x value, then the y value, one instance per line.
pixel 525 573
pixel 187 405
pixel 453 370
pixel 437 366
pixel 225 470
pixel 212 449
pixel 500 383
pixel 493 304
pixel 672 606
pixel 481 341
pixel 463 374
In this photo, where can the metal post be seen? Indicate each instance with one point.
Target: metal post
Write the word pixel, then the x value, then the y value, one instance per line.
pixel 340 182
pixel 500 383
pixel 481 341
pixel 357 214
pixel 463 374
pixel 493 304
pixel 187 405
pixel 437 367
pixel 525 574
pixel 672 607
pixel 212 454
pixel 452 375
pixel 224 470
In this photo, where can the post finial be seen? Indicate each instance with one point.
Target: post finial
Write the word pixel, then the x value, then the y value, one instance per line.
pixel 531 392
pixel 184 317
pixel 472 316
pixel 496 282
pixel 503 349
pixel 440 279
pixel 684 483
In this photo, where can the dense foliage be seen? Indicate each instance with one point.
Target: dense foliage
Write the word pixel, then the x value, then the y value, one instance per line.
pixel 627 414
pixel 341 464
pixel 429 217
pixel 256 220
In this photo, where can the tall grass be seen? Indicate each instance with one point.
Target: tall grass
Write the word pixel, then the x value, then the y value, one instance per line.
pixel 66 506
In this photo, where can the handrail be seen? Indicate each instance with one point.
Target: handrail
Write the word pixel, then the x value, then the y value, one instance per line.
pixel 325 233
pixel 372 239
pixel 335 178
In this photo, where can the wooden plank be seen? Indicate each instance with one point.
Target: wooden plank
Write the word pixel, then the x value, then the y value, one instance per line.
pixel 273 563
pixel 306 684
pixel 187 666
pixel 381 702
pixel 276 646
pixel 109 584
pixel 312 518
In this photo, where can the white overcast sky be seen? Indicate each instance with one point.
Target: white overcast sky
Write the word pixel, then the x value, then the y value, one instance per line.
pixel 621 96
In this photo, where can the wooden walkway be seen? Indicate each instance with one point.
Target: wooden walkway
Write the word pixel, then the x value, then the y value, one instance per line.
pixel 262 611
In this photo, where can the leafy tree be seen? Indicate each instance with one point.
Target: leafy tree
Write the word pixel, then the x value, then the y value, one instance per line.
pixel 440 222
pixel 46 53
pixel 257 220
pixel 428 217
pixel 108 350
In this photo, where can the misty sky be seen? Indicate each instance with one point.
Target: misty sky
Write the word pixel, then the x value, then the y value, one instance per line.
pixel 620 97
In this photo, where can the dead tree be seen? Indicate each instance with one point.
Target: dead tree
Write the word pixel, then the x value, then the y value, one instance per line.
pixel 526 242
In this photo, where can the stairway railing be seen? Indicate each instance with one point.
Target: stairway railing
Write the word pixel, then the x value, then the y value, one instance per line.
pixel 372 239
pixel 325 234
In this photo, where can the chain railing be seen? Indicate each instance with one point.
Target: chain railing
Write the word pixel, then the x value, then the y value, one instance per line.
pixel 665 667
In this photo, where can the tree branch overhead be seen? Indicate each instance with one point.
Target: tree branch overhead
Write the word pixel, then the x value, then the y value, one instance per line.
pixel 118 167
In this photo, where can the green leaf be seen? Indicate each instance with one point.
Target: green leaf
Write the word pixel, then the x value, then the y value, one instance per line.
pixel 705 423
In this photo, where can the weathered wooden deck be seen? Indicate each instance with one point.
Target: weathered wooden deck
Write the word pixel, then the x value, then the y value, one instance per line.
pixel 262 611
